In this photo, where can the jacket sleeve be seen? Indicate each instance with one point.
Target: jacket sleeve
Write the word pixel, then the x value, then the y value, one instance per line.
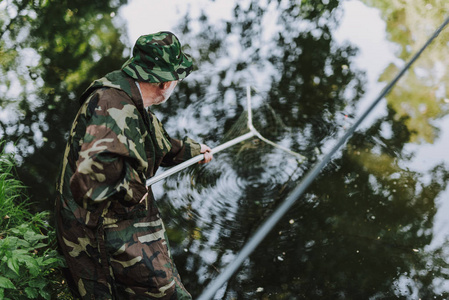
pixel 179 150
pixel 112 156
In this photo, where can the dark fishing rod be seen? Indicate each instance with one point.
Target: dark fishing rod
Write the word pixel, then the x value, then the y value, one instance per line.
pixel 269 223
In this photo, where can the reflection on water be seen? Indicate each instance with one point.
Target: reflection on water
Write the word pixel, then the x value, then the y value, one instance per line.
pixel 361 230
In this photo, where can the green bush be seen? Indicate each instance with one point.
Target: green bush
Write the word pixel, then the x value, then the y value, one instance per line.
pixel 13 200
pixel 29 263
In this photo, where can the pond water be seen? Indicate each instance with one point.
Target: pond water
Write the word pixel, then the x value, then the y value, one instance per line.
pixel 374 224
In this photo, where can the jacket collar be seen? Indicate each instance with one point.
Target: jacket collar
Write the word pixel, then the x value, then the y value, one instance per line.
pixel 117 80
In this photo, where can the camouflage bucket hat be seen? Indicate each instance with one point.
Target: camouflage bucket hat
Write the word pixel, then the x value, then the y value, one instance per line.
pixel 158 58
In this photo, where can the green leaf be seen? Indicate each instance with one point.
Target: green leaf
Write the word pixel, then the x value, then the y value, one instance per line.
pixel 23 244
pixel 20 230
pixel 13 264
pixel 15 231
pixel 40 245
pixel 10 242
pixel 31 236
pixel 37 283
pixel 45 294
pixel 7 272
pixel 32 293
pixel 50 261
pixel 31 264
pixel 40 260
pixel 5 283
pixel 18 252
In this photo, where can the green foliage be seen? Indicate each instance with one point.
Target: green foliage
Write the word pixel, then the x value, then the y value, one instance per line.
pixel 417 96
pixel 12 211
pixel 28 261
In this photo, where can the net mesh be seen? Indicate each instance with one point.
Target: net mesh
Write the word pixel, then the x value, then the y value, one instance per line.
pixel 267 126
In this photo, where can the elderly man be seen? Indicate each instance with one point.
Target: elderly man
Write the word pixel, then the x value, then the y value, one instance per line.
pixel 108 226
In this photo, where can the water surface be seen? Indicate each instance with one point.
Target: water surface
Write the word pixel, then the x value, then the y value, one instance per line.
pixel 364 228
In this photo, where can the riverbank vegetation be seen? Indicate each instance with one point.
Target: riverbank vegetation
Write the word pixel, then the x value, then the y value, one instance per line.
pixel 29 262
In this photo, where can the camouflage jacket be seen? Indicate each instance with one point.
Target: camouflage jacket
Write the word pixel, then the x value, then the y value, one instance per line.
pixel 108 225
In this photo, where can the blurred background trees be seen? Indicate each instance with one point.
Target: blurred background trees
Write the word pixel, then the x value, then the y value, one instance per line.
pixel 50 52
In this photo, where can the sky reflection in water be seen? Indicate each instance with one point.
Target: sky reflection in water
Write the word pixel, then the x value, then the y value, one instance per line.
pixel 362 221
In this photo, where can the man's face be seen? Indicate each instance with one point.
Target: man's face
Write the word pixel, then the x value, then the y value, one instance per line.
pixel 168 91
pixel 155 94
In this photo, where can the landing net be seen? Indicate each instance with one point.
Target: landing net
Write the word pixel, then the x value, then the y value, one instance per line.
pixel 237 129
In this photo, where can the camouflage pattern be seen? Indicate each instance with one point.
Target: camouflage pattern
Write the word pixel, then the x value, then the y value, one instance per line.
pixel 158 58
pixel 108 226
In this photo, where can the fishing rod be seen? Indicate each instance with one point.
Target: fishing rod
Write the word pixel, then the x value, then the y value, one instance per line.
pixel 271 221
pixel 252 133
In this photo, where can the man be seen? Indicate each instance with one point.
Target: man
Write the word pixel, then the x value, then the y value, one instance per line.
pixel 108 226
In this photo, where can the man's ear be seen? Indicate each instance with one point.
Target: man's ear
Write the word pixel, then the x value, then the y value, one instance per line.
pixel 164 85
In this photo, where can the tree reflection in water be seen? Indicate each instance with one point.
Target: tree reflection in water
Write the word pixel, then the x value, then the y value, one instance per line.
pixel 362 228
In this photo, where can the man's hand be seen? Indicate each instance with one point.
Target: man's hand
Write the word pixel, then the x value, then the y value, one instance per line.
pixel 207 154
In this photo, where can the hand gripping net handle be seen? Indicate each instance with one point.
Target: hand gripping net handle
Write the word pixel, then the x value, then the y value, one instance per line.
pixel 197 158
